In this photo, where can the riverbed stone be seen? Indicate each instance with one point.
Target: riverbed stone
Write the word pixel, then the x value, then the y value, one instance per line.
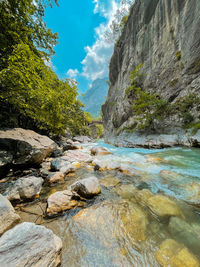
pixel 8 217
pixel 26 146
pixel 142 196
pixel 126 191
pixel 55 177
pixel 25 188
pixel 87 187
pixel 163 207
pixel 82 139
pixel 170 176
pixel 28 244
pixel 105 165
pixel 5 162
pixel 77 155
pixel 58 163
pixel 68 169
pixel 185 233
pixel 99 151
pixel 109 181
pixel 174 254
pixel 60 201
pixel 192 193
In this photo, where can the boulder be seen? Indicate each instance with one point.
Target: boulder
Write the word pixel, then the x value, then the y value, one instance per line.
pixel 163 207
pixel 5 162
pixel 142 196
pixel 82 139
pixel 58 163
pixel 25 188
pixel 8 217
pixel 56 177
pixel 191 193
pixel 99 151
pixel 68 169
pixel 77 155
pixel 60 201
pixel 105 165
pixel 174 254
pixel 87 187
pixel 186 233
pixel 26 146
pixel 28 244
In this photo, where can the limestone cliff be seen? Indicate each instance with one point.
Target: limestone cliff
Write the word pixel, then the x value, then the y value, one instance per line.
pixel 163 35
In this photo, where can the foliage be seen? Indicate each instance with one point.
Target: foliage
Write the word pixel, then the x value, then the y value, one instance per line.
pixel 117 25
pixel 99 130
pixel 178 55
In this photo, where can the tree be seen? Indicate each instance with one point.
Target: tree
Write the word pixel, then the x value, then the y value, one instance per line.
pixel 119 21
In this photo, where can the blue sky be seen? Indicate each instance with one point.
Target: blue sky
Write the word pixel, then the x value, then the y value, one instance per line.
pixel 82 52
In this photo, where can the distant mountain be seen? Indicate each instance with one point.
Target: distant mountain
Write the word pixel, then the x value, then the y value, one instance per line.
pixel 95 96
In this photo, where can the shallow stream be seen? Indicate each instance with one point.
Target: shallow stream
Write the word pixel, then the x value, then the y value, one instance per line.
pixel 116 228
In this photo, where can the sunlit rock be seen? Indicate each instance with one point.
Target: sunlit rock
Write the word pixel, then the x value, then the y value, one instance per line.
pixel 174 254
pixel 192 193
pixel 99 151
pixel 87 187
pixel 8 217
pixel 170 175
pixel 60 201
pixel 77 155
pixel 25 188
pixel 56 177
pixel 28 244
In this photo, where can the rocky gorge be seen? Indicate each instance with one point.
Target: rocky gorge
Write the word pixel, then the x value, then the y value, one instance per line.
pixel 160 49
pixel 86 203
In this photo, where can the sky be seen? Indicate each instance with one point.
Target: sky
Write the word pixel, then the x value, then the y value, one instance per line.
pixel 82 53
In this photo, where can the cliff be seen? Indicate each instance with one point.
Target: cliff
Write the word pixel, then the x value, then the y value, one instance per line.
pixel 95 96
pixel 163 36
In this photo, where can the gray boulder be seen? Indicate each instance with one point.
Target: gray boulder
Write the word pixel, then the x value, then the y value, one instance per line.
pixel 28 244
pixel 82 139
pixel 58 163
pixel 87 188
pixel 26 146
pixel 5 162
pixel 25 188
pixel 8 217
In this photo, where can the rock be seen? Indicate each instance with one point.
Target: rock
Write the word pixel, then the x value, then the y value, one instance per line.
pixel 5 162
pixel 142 196
pixel 163 206
pixel 56 177
pixel 25 188
pixel 77 155
pixel 58 163
pixel 186 233
pixel 170 176
pixel 154 159
pixel 111 221
pixel 68 169
pixel 8 217
pixel 191 193
pixel 44 173
pixel 105 165
pixel 60 201
pixel 28 244
pixel 173 254
pixel 26 146
pixel 99 151
pixel 126 191
pixel 109 181
pixel 87 187
pixel 82 139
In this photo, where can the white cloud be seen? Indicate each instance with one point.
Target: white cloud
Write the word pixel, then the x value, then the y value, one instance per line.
pixel 95 64
pixel 72 73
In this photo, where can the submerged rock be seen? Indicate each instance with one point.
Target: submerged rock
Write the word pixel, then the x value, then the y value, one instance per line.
pixel 28 244
pixel 8 217
pixel 60 201
pixel 173 254
pixel 163 206
pixel 170 176
pixel 87 187
pixel 186 233
pixel 109 181
pixel 142 196
pixel 26 146
pixel 126 191
pixel 25 188
pixel 192 193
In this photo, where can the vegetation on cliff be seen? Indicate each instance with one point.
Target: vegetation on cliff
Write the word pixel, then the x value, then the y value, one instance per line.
pixel 27 84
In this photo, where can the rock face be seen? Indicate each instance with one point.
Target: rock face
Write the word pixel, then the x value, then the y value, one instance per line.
pixel 8 217
pixel 26 146
pixel 25 188
pixel 156 35
pixel 28 244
